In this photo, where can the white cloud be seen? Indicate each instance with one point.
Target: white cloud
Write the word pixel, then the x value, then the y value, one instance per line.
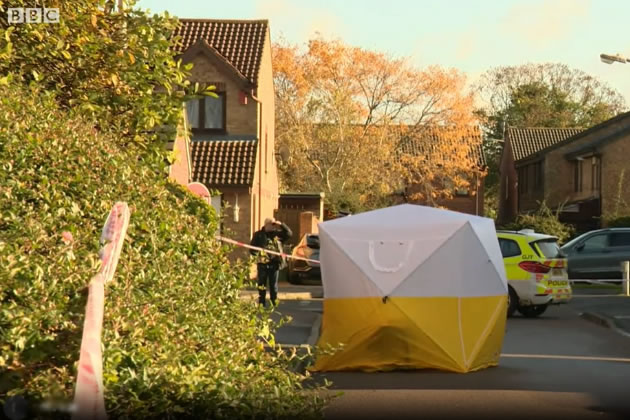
pixel 299 23
pixel 542 22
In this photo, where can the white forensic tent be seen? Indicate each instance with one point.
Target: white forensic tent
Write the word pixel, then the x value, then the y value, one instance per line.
pixel 412 287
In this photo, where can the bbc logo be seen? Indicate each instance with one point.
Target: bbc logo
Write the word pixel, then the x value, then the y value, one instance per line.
pixel 32 15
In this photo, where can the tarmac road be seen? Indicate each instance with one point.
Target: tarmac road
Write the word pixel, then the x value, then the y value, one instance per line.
pixel 557 366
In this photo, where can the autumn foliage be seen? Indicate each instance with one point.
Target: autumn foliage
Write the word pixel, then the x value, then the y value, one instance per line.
pixel 347 116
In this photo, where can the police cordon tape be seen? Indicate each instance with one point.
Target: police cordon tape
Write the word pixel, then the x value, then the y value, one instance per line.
pixel 244 245
pixel 89 402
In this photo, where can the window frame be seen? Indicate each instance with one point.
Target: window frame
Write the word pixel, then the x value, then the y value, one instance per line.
pixel 202 115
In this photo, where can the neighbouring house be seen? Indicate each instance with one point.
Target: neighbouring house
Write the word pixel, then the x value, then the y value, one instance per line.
pixel 581 172
pixel 521 157
pixel 232 145
pixel 467 200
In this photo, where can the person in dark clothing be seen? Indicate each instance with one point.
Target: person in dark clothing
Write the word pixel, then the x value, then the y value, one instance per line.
pixel 270 237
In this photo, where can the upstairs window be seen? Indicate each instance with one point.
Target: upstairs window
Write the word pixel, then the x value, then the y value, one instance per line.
pixel 207 114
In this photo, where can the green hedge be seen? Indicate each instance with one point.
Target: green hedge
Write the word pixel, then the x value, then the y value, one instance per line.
pixel 177 340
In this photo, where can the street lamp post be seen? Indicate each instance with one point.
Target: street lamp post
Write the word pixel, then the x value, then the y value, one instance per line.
pixel 609 59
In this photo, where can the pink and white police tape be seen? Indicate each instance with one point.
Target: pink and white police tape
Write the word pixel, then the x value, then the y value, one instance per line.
pixel 244 245
pixel 89 401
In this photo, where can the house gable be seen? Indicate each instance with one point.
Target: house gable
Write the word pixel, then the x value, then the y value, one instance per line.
pixel 201 47
pixel 239 42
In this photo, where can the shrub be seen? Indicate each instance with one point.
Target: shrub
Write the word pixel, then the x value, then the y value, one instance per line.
pixel 544 220
pixel 619 221
pixel 178 342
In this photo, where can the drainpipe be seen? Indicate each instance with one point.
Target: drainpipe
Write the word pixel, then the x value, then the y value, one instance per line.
pixel 260 152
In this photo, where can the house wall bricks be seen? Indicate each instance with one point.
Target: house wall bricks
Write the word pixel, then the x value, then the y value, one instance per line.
pixel 241 230
pixel 614 161
pixel 559 174
pixel 531 199
pixel 558 167
pixel 266 178
pixel 508 194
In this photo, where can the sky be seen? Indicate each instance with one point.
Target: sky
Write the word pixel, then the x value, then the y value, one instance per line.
pixel 469 35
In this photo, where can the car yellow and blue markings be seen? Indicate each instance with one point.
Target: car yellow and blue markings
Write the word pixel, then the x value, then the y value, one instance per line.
pixel 536 280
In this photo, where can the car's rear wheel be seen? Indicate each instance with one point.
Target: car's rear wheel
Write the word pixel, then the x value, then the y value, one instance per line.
pixel 512 301
pixel 532 311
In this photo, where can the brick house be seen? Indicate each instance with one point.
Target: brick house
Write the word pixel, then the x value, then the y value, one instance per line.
pixel 522 157
pixel 232 145
pixel 468 200
pixel 580 173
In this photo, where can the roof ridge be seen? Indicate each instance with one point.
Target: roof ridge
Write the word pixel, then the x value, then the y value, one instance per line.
pixel 223 20
pixel 545 128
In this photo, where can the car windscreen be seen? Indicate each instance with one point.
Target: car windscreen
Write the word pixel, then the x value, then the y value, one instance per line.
pixel 549 248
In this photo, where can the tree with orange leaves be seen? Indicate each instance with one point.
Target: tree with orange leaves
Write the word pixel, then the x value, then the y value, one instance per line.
pixel 359 125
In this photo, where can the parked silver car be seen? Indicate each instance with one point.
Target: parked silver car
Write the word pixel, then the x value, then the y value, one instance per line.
pixel 598 254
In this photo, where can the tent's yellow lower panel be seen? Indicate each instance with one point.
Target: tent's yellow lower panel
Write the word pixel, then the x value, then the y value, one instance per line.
pixel 454 334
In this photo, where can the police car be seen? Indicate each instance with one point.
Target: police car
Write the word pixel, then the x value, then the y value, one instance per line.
pixel 536 271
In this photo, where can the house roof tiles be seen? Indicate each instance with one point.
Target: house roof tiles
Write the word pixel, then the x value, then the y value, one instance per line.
pixel 528 141
pixel 240 42
pixel 431 139
pixel 224 162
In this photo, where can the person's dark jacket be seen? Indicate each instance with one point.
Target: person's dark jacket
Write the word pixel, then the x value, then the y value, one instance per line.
pixel 271 241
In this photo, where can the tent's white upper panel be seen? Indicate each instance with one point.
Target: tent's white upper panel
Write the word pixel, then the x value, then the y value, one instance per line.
pixel 341 277
pixel 461 267
pixel 388 262
pixel 458 254
pixel 404 221
pixel 487 235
